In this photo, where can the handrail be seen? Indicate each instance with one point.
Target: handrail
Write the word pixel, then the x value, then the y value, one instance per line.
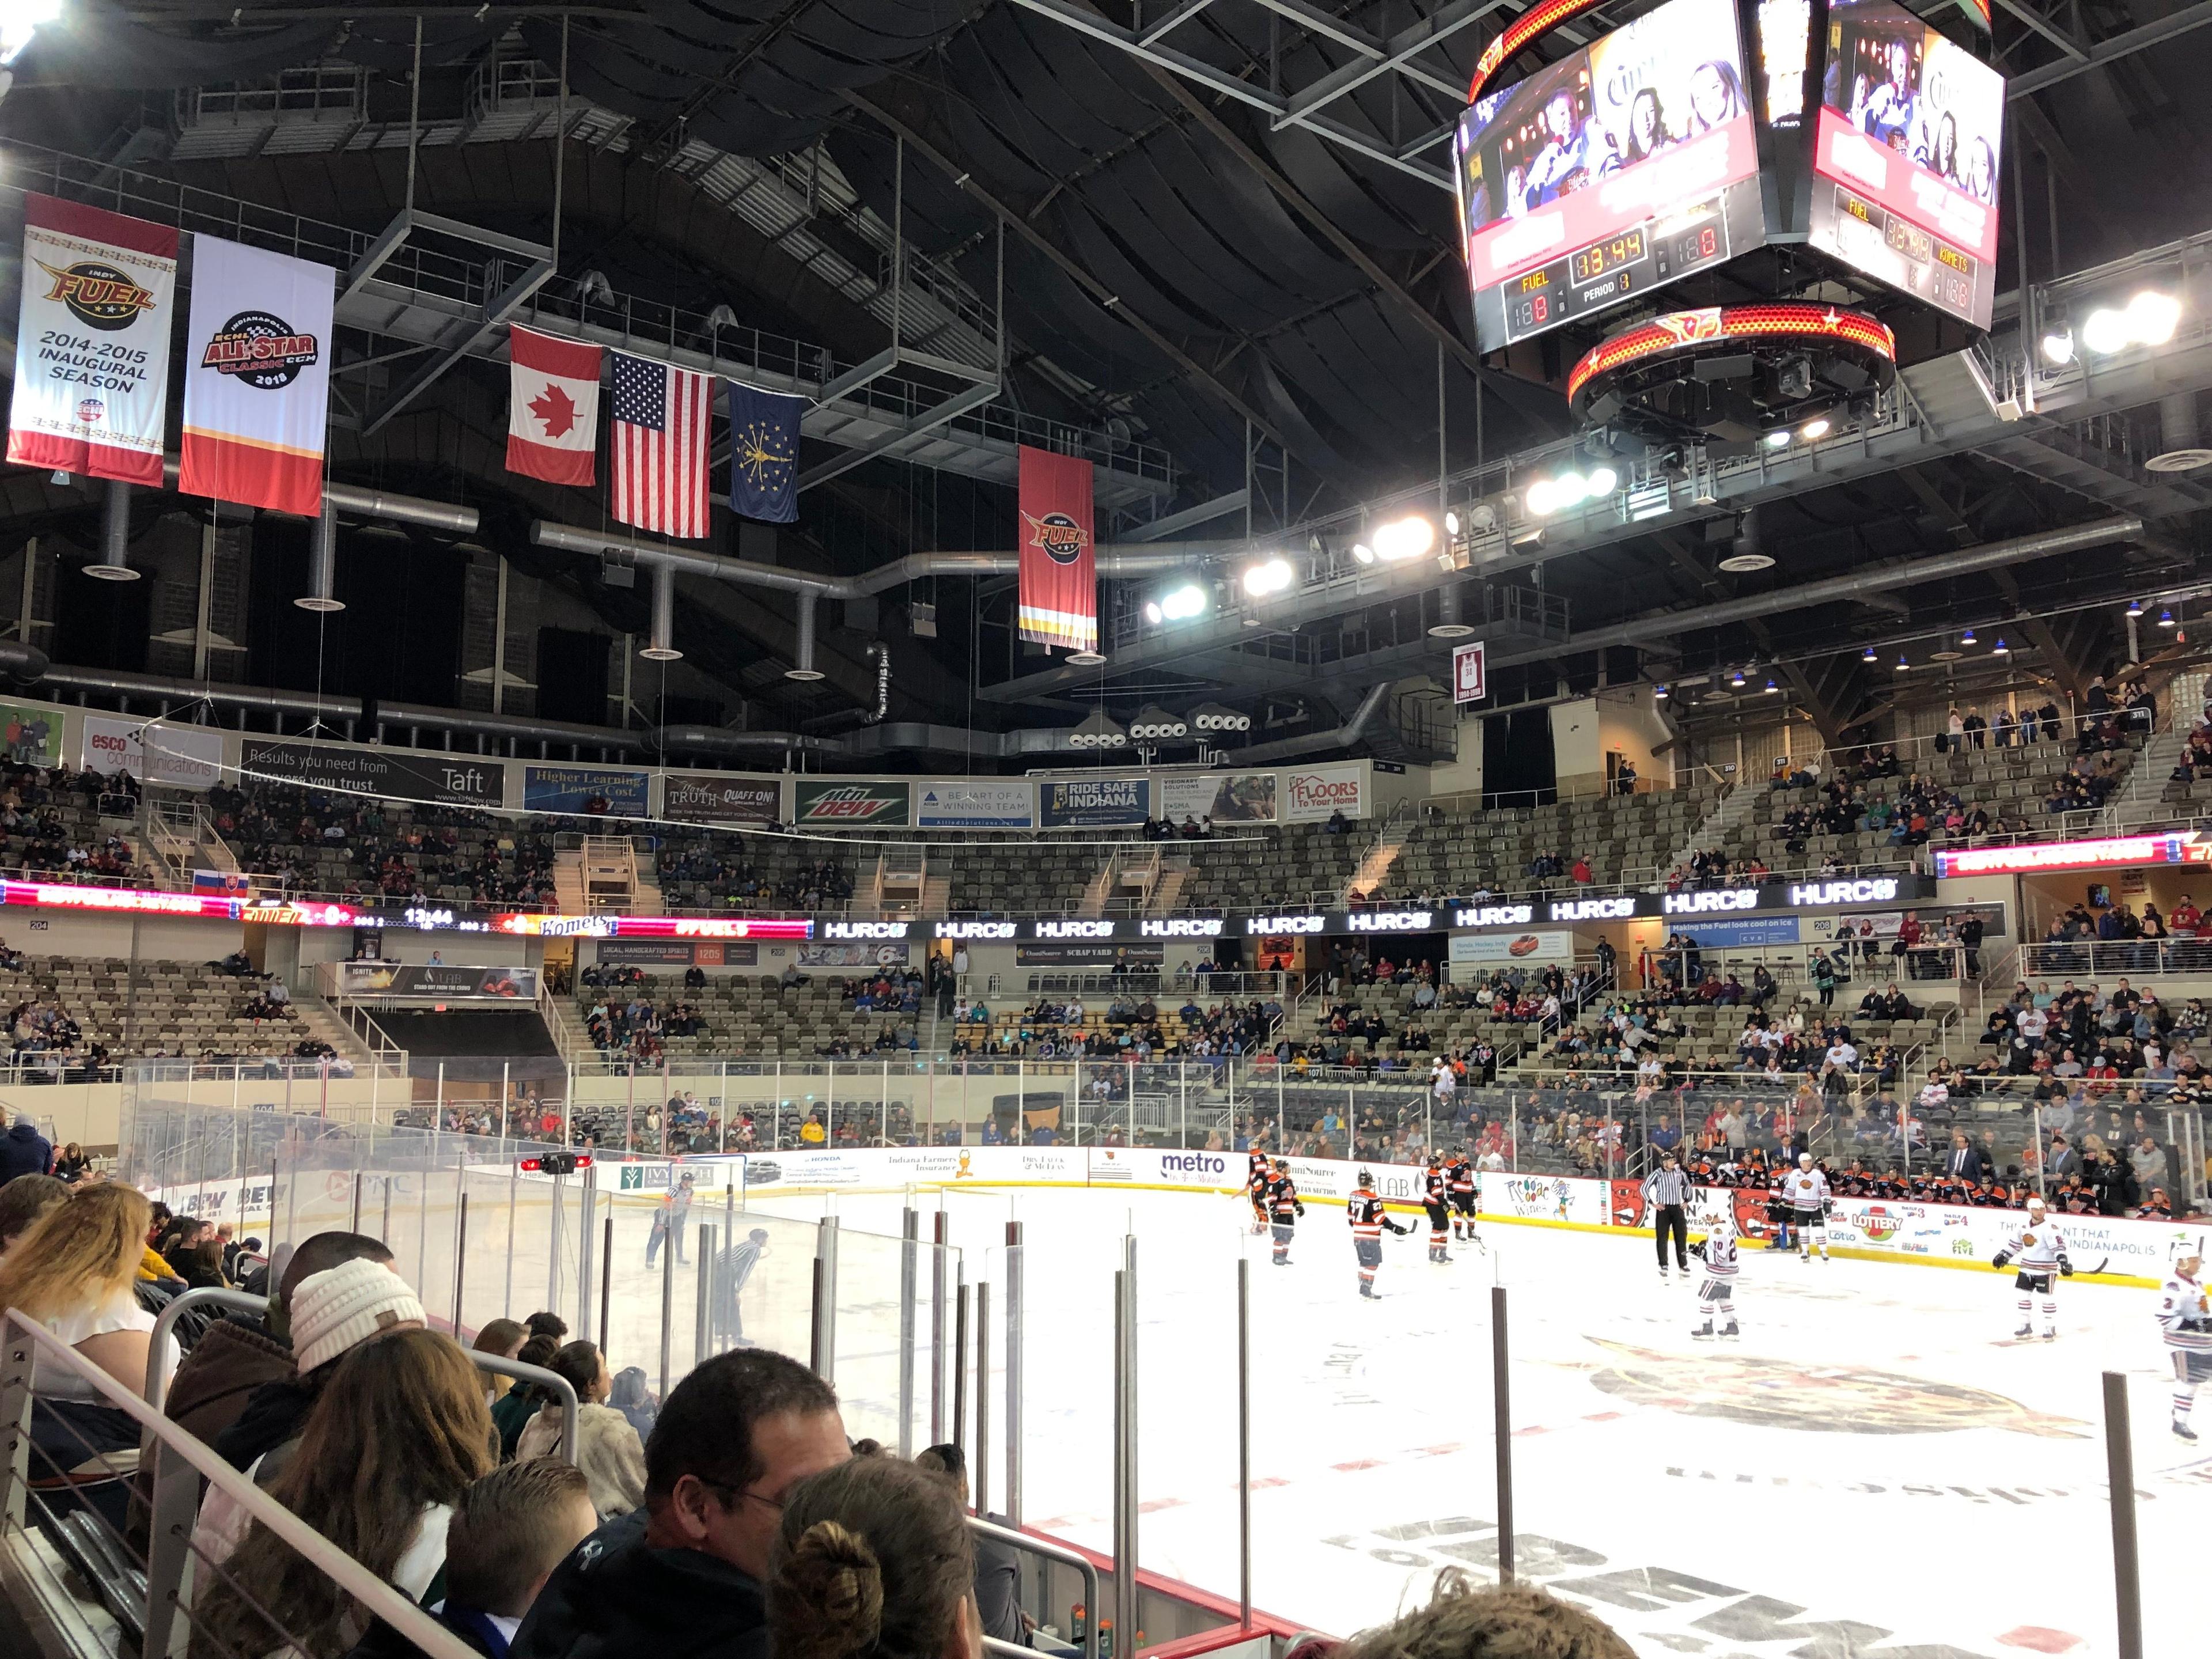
pixel 165 1325
pixel 23 1336
pixel 500 1366
pixel 1066 1557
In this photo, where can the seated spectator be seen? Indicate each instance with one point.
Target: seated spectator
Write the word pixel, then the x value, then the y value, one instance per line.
pixel 1506 1621
pixel 685 1574
pixel 504 1338
pixel 397 1438
pixel 517 1408
pixel 72 1165
pixel 510 1529
pixel 74 1270
pixel 22 1201
pixel 998 1579
pixel 608 1448
pixel 873 1557
pixel 24 1151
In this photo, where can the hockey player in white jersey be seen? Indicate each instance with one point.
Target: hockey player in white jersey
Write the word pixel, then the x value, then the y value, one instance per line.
pixel 2184 1319
pixel 1805 1189
pixel 2040 1248
pixel 1716 1294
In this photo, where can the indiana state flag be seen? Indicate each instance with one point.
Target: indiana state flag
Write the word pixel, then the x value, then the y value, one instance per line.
pixel 765 453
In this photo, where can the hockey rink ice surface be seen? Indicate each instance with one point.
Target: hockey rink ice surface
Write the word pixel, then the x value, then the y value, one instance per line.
pixel 1875 1468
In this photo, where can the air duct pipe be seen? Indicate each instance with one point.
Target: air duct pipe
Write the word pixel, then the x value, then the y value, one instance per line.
pixel 2179 450
pixel 114 565
pixel 323 563
pixel 25 662
pixel 803 667
pixel 375 504
pixel 1341 736
pixel 662 646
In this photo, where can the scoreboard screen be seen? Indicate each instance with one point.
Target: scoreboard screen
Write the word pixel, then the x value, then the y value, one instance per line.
pixel 1624 165
pixel 1905 159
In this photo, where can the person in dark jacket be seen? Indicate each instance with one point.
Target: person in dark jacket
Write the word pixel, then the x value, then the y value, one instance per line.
pixel 24 1151
pixel 682 1578
pixel 512 1412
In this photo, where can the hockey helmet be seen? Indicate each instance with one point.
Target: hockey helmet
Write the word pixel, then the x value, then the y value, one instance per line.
pixel 1365 1179
pixel 1804 1160
pixel 2036 1206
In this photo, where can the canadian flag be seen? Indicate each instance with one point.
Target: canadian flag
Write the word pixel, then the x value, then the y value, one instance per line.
pixel 553 408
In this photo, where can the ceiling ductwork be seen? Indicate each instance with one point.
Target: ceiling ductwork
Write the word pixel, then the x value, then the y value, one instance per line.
pixel 1154 724
pixel 1216 718
pixel 1340 737
pixel 1098 730
pixel 114 562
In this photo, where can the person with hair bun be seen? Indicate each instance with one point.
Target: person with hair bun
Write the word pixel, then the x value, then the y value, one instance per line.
pixel 1504 1621
pixel 873 1561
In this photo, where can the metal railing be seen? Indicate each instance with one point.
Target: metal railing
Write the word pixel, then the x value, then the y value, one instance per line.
pixel 186 1465
pixel 2128 957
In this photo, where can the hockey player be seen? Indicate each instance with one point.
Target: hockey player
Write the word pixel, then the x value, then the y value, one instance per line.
pixel 1283 1209
pixel 1807 1191
pixel 1460 1168
pixel 1364 1211
pixel 2040 1248
pixel 1717 1292
pixel 1256 1176
pixel 1436 1199
pixel 2184 1317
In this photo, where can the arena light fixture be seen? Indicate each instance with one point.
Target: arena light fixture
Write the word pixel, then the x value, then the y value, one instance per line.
pixel 1736 679
pixel 20 19
pixel 2166 619
pixel 1176 605
pixel 1869 655
pixel 1903 662
pixel 2059 347
pixel 2000 649
pixel 1772 686
pixel 1659 693
pixel 1778 439
pixel 1451 524
pixel 1401 540
pixel 1267 576
pixel 1967 638
pixel 2135 607
pixel 1818 427
pixel 1219 717
pixel 1154 723
pixel 2148 319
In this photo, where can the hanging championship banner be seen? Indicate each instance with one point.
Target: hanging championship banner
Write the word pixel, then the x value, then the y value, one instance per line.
pixel 1059 575
pixel 92 345
pixel 256 377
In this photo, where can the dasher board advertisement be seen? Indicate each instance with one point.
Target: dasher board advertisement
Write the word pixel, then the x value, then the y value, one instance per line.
pixel 1624 165
pixel 1905 161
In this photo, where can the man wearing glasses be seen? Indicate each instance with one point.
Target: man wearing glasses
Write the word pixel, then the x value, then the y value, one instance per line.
pixel 682 1578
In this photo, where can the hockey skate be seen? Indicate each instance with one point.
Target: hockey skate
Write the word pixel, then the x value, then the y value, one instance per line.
pixel 2025 1330
pixel 1730 1330
pixel 2182 1431
pixel 2051 1334
pixel 1703 1333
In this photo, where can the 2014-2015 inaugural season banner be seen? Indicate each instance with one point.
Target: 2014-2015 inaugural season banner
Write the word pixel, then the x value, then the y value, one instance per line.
pixel 256 377
pixel 92 342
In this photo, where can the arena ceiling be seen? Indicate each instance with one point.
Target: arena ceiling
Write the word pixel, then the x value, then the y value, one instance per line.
pixel 1221 239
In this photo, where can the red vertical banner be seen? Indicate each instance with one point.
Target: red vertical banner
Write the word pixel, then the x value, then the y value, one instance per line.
pixel 1059 572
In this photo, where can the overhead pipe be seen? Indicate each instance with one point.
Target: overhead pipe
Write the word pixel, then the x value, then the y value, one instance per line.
pixel 662 647
pixel 255 699
pixel 22 660
pixel 374 504
pixel 323 563
pixel 114 565
pixel 2043 544
pixel 802 667
pixel 1340 737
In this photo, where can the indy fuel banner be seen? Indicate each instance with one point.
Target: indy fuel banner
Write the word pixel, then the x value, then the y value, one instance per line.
pixel 92 345
pixel 1059 573
pixel 256 377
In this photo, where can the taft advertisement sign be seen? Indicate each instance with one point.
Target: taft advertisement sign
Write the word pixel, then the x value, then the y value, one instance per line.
pixel 851 804
pixel 375 772
pixel 719 797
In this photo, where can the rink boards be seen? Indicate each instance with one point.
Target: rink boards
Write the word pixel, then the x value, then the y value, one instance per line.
pixel 1941 1235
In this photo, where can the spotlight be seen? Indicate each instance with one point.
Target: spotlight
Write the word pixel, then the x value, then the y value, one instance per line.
pixel 1268 576
pixel 1403 538
pixel 2135 607
pixel 20 19
pixel 2148 319
pixel 1658 694
pixel 1569 489
pixel 1902 664
pixel 1869 655
pixel 1539 500
pixel 1966 638
pixel 1451 524
pixel 2059 347
pixel 1364 553
pixel 1737 678
pixel 1601 481
pixel 1778 439
pixel 1815 428
pixel 1772 686
pixel 1177 605
pixel 2000 649
pixel 2166 619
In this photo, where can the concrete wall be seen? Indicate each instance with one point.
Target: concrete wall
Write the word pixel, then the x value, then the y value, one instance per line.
pixel 1578 755
pixel 1629 725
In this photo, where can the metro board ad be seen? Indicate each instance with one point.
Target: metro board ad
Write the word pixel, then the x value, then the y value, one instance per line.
pixel 1906 158
pixel 1623 165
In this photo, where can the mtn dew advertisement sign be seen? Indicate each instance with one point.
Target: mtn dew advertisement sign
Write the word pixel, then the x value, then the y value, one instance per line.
pixel 852 803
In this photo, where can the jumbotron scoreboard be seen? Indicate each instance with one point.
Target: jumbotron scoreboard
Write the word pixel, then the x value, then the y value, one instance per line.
pixel 1705 130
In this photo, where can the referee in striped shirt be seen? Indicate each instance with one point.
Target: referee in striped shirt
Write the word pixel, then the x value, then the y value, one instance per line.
pixel 1667 1192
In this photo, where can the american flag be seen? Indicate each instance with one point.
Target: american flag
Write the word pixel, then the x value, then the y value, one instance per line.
pixel 658 446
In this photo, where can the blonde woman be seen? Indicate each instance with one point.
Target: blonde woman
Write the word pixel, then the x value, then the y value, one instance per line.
pixel 75 1273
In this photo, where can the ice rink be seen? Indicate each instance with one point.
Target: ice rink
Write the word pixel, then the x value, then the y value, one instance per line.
pixel 1875 1468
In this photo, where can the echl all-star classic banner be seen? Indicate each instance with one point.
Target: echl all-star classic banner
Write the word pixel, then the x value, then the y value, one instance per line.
pixel 92 346
pixel 256 377
pixel 1059 575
